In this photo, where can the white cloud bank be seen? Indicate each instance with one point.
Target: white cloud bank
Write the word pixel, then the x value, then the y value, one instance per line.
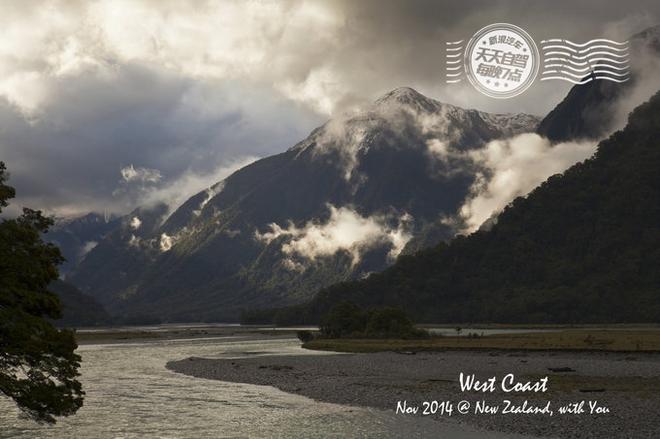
pixel 135 223
pixel 345 230
pixel 219 40
pixel 323 54
pixel 87 247
pixel 210 193
pixel 512 168
pixel 131 173
pixel 175 192
pixel 166 242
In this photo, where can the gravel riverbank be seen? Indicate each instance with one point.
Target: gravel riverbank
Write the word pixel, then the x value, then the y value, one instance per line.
pixel 627 384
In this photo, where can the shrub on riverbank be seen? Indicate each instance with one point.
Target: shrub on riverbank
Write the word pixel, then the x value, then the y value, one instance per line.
pixel 305 336
pixel 347 320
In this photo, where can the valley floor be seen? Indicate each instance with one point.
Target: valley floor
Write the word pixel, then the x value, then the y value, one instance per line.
pixel 626 383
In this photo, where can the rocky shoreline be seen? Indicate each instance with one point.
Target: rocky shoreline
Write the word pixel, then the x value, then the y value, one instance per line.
pixel 627 384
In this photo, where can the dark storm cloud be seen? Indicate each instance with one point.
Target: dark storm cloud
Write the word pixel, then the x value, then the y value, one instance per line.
pixel 188 89
pixel 408 39
pixel 69 158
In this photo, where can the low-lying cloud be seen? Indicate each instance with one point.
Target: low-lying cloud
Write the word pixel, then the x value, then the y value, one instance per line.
pixel 344 231
pixel 513 167
pixel 175 192
pixel 166 242
pixel 135 223
pixel 87 247
pixel 145 175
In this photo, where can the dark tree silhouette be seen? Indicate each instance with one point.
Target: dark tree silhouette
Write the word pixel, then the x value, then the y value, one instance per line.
pixel 38 366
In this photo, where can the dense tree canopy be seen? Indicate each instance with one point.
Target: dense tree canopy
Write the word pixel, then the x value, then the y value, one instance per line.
pixel 38 366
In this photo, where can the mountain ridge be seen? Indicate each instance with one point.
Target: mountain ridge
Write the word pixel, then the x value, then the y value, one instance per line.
pixel 583 247
pixel 363 175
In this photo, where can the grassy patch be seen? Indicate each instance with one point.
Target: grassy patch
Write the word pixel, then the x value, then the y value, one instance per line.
pixel 611 340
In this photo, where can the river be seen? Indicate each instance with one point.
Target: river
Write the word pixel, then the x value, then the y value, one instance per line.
pixel 130 394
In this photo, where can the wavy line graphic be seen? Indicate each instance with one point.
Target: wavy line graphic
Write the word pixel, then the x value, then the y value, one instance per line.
pixel 577 59
pixel 578 55
pixel 580 63
pixel 570 49
pixel 587 67
pixel 612 50
pixel 580 76
pixel 585 63
pixel 589 56
pixel 597 40
pixel 584 81
pixel 454 68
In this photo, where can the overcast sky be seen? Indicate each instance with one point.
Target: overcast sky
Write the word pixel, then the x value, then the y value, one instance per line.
pixel 105 103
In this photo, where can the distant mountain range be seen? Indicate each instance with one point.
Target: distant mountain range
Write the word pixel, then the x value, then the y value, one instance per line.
pixel 78 235
pixel 342 203
pixel 583 247
pixel 345 202
pixel 78 309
